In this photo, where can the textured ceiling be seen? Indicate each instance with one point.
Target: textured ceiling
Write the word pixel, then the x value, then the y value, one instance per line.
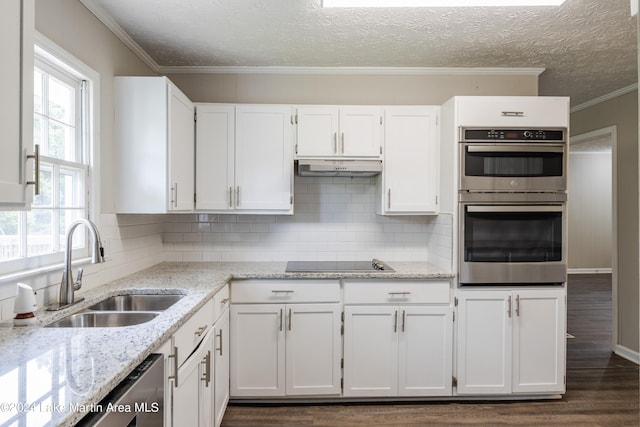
pixel 588 47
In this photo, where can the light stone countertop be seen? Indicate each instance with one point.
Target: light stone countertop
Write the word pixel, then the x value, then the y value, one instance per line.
pixel 48 375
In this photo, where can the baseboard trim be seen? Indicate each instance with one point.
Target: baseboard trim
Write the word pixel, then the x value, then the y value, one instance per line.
pixel 589 271
pixel 627 353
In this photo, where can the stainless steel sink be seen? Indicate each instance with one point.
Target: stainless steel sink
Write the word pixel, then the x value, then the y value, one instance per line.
pixel 103 319
pixel 137 302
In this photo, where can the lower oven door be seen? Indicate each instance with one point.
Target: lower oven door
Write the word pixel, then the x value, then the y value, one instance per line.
pixel 512 244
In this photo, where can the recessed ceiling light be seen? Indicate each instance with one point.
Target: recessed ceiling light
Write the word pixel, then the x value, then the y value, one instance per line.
pixel 438 3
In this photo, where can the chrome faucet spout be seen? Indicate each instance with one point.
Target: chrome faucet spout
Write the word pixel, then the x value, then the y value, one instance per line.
pixel 68 286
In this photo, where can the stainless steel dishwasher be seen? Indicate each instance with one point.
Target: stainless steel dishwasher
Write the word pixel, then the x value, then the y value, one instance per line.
pixel 138 401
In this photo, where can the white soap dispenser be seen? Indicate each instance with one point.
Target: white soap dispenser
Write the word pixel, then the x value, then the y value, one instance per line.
pixel 25 306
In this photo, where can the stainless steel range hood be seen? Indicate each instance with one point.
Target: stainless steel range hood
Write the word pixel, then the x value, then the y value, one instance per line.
pixel 354 168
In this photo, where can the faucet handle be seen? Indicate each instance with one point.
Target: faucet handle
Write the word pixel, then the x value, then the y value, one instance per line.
pixel 78 283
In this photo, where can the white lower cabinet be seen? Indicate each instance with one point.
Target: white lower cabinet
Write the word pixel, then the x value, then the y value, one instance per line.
pixel 285 349
pixel 511 341
pixel 221 367
pixel 285 338
pixel 197 367
pixel 192 392
pixel 398 351
pixel 398 338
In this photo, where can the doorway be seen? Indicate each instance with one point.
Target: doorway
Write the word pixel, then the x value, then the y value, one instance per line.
pixel 592 207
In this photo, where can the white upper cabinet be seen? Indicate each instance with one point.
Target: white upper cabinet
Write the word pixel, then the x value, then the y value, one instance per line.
pixel 409 182
pixel 154 140
pixel 333 132
pixel 244 161
pixel 16 103
pixel 513 111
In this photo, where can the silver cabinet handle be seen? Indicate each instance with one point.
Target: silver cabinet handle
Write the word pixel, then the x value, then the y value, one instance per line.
pixel 282 291
pixel 335 142
pixel 518 305
pixel 509 306
pixel 201 330
pixel 404 319
pixel 219 349
pixel 175 195
pixel 399 293
pixel 513 113
pixel 389 199
pixel 237 196
pixel 342 137
pixel 281 319
pixel 174 377
pixel 395 321
pixel 36 181
pixel 230 197
pixel 290 320
pixel 206 361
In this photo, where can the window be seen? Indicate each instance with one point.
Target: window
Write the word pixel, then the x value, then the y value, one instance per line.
pixel 36 238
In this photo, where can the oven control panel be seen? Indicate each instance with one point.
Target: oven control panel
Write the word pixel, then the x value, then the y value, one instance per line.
pixel 512 135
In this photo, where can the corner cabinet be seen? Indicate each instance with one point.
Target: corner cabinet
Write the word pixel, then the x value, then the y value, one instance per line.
pixel 154 146
pixel 511 341
pixel 244 159
pixel 398 339
pixel 285 338
pixel 334 132
pixel 409 182
pixel 16 104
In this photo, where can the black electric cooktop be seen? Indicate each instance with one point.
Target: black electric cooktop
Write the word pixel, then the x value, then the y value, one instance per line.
pixel 337 266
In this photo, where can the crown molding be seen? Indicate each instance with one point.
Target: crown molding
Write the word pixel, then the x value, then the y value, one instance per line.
pixel 117 30
pixel 441 71
pixel 604 98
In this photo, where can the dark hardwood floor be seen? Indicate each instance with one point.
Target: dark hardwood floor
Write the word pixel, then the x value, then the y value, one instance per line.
pixel 602 388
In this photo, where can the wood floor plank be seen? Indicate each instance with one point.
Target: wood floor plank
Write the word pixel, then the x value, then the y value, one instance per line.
pixel 602 388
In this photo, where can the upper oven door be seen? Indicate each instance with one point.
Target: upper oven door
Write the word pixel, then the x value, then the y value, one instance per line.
pixel 533 167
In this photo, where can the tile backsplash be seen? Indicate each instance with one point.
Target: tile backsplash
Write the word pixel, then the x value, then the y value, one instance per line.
pixel 334 220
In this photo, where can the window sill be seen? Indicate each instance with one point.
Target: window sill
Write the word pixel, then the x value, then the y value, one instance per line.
pixel 11 278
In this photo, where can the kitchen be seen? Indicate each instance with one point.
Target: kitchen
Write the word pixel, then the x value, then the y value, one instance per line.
pixel 329 213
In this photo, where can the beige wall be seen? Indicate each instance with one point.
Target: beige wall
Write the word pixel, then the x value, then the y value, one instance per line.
pixel 347 88
pixel 623 113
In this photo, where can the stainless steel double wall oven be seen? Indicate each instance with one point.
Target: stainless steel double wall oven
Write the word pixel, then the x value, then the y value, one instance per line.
pixel 512 206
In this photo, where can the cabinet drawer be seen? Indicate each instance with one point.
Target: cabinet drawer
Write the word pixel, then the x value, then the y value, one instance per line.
pixel 513 111
pixel 285 291
pixel 220 302
pixel 191 333
pixel 397 292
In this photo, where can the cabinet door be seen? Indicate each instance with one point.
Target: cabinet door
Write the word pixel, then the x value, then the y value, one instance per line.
pixel 193 395
pixel 539 343
pixel 370 351
pixel 317 132
pixel 215 142
pixel 513 111
pixel 16 102
pixel 410 173
pixel 484 342
pixel 264 158
pixel 181 150
pixel 360 132
pixel 425 351
pixel 258 348
pixel 313 349
pixel 221 367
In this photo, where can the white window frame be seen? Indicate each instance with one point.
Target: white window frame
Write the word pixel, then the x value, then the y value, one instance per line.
pixel 51 53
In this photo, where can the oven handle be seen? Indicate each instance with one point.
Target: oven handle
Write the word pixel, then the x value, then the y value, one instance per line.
pixel 527 208
pixel 515 149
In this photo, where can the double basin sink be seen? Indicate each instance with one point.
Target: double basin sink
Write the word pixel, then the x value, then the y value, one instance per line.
pixel 119 310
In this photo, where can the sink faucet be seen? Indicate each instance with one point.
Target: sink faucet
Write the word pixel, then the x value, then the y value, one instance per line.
pixel 68 286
